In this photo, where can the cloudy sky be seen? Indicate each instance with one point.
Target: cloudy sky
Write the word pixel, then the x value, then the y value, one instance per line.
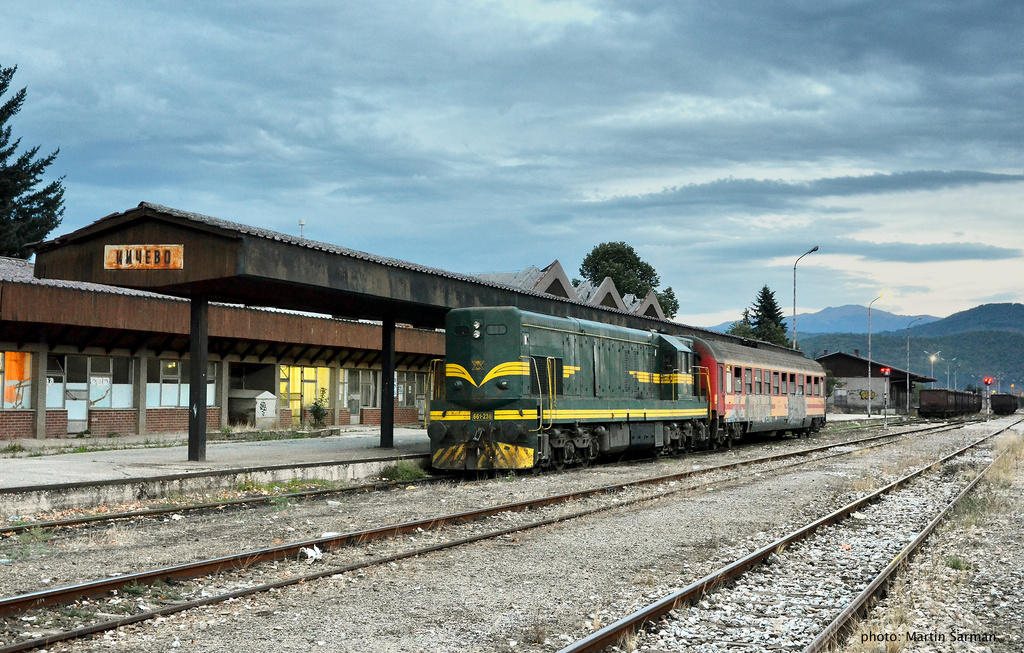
pixel 720 139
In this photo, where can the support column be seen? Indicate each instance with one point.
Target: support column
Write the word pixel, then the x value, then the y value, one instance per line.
pixel 141 381
pixel 198 354
pixel 387 383
pixel 38 385
pixel 223 387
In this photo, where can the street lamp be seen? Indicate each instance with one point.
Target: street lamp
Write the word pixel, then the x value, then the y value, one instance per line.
pixel 869 349
pixel 908 363
pixel 810 251
pixel 948 363
pixel 933 357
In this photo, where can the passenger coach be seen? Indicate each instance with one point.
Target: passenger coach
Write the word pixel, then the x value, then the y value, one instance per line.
pixel 761 389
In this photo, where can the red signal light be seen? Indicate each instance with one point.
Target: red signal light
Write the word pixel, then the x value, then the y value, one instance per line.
pixel 988 380
pixel 886 371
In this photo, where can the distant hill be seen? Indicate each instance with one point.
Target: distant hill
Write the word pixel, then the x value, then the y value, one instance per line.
pixel 845 319
pixel 987 317
pixel 965 357
pixel 987 340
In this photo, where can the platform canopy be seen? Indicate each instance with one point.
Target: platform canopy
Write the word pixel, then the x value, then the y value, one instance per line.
pixel 240 264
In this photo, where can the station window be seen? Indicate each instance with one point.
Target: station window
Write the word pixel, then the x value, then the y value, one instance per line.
pixel 16 380
pixel 167 383
pixel 757 381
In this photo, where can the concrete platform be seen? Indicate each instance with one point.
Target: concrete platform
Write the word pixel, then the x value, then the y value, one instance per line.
pixel 41 475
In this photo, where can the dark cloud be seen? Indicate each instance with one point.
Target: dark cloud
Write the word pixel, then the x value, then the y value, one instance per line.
pixel 757 195
pixel 411 130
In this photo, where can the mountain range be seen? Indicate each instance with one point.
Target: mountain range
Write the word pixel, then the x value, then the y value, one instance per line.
pixel 986 340
pixel 847 319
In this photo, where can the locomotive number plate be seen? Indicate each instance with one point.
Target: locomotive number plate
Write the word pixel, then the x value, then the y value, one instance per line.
pixel 481 416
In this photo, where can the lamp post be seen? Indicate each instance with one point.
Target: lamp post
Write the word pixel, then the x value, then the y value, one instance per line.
pixel 933 357
pixel 810 251
pixel 948 363
pixel 869 349
pixel 908 363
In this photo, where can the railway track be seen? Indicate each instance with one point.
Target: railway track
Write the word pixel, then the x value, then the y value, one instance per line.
pixel 248 501
pixel 100 593
pixel 801 591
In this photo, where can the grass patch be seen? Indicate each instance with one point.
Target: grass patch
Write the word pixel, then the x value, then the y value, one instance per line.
pixel 134 589
pixel 13 447
pixel 956 562
pixel 35 534
pixel 403 471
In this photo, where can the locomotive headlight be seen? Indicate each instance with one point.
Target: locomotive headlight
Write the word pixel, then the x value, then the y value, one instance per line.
pixel 477 324
pixel 476 333
pixel 503 385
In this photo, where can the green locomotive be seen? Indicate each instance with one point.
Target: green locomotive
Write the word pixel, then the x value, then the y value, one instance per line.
pixel 520 390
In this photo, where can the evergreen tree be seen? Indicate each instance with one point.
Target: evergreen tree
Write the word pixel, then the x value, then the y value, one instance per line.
pixel 742 328
pixel 27 213
pixel 630 273
pixel 767 319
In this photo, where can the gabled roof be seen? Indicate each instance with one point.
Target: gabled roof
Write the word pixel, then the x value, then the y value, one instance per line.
pixel 852 366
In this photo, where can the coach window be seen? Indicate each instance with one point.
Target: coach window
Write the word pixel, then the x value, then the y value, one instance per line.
pixel 728 380
pixel 738 379
pixel 748 380
pixel 799 384
pixel 767 381
pixel 757 381
pixel 775 383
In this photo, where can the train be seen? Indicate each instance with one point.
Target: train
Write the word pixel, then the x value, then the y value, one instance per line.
pixel 943 402
pixel 1004 403
pixel 519 390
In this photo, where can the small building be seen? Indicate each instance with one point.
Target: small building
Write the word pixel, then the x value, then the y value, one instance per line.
pixel 889 385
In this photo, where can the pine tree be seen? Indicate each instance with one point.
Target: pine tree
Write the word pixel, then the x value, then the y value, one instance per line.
pixel 27 213
pixel 768 321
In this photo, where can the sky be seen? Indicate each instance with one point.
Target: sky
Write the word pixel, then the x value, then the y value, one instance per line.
pixel 721 140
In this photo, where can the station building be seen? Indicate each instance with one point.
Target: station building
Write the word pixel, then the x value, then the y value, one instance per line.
pixel 78 357
pixel 887 383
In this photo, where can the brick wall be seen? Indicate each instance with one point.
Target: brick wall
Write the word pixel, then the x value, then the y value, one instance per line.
pixel 307 418
pixel 122 421
pixel 56 423
pixel 17 424
pixel 408 415
pixel 284 417
pixel 175 420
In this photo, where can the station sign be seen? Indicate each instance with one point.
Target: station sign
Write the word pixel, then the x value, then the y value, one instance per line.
pixel 143 257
